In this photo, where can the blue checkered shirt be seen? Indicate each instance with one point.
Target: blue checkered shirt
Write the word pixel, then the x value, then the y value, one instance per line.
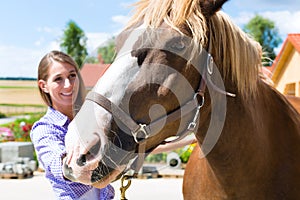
pixel 48 136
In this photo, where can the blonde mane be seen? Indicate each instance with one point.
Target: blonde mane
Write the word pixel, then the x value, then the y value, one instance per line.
pixel 236 54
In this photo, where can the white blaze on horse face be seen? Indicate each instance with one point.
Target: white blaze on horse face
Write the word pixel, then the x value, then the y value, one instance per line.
pixel 90 125
pixel 84 132
pixel 123 70
pixel 116 79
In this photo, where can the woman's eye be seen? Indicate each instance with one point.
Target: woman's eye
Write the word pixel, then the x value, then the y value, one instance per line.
pixel 57 79
pixel 73 76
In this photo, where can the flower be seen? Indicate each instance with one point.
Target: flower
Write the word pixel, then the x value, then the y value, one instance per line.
pixel 6 134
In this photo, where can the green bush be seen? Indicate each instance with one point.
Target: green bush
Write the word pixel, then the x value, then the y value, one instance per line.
pixel 184 154
pixel 21 127
pixel 156 158
pixel 2 115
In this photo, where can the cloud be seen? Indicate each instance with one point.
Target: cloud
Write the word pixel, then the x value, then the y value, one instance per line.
pixel 39 42
pixel 261 6
pixel 23 62
pixel 285 21
pixel 19 62
pixel 49 30
pixel 127 4
pixel 96 39
pixel 120 19
pixel 46 35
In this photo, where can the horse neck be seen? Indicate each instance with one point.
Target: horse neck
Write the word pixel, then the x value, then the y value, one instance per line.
pixel 242 117
pixel 254 130
pixel 238 123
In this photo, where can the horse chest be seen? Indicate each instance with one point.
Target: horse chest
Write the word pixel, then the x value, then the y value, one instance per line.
pixel 201 182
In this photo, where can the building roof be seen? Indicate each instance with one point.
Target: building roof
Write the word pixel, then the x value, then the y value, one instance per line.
pixel 92 72
pixel 292 42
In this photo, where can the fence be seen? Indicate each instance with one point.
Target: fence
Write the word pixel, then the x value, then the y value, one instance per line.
pixel 8 110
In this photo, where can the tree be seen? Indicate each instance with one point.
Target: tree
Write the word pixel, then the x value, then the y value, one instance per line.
pixel 264 31
pixel 74 42
pixel 108 51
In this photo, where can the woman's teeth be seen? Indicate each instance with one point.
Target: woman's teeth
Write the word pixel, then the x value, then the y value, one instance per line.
pixel 67 94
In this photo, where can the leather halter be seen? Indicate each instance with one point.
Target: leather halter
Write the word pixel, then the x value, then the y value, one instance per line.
pixel 141 132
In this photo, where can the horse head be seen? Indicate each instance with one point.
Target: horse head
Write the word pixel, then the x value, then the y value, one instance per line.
pixel 151 92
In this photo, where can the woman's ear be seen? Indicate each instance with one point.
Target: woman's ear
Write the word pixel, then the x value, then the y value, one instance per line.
pixel 43 85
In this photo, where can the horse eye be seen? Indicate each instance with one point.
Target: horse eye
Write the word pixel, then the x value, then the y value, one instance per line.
pixel 178 46
pixel 140 54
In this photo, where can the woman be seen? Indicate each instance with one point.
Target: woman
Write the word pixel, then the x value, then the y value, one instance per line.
pixel 58 81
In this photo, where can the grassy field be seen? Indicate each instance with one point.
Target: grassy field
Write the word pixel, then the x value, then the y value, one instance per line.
pixel 20 97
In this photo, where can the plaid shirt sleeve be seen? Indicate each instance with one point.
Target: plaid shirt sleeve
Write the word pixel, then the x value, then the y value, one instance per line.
pixel 48 140
pixel 49 147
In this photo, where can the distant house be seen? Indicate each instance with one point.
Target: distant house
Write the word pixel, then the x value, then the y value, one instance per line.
pixel 91 72
pixel 286 67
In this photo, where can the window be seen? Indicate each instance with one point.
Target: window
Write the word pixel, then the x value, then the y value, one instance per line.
pixel 290 89
pixel 298 95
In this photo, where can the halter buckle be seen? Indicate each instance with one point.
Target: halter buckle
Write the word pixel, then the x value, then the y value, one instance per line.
pixel 191 126
pixel 140 134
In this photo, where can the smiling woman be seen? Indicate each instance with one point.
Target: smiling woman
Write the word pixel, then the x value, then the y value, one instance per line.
pixel 59 80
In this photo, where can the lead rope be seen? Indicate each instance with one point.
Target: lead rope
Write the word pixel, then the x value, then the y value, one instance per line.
pixel 140 160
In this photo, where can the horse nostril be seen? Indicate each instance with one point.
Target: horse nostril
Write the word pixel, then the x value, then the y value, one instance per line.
pixel 90 155
pixel 81 161
pixel 68 172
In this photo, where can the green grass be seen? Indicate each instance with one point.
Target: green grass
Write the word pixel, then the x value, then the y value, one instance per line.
pixel 37 109
pixel 22 105
pixel 17 87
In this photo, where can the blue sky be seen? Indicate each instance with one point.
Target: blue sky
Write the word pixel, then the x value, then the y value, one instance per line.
pixel 30 29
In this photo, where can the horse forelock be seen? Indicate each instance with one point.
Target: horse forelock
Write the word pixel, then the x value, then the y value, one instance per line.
pixel 236 54
pixel 175 13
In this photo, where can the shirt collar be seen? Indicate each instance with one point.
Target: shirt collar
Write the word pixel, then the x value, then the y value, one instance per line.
pixel 57 117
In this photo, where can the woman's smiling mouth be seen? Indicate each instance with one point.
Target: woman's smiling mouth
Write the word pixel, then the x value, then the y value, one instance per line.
pixel 67 94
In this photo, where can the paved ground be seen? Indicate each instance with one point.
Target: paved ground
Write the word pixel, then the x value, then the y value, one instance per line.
pixel 38 188
pixel 35 188
pixel 10 119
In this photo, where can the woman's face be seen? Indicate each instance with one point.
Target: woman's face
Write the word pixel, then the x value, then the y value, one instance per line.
pixel 62 77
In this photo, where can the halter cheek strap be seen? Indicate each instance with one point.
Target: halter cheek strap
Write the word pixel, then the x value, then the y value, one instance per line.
pixel 208 72
pixel 207 77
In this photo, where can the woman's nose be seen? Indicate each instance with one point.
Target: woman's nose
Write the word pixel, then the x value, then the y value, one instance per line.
pixel 67 83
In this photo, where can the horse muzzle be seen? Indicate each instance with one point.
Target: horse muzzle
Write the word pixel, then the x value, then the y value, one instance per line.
pixel 99 177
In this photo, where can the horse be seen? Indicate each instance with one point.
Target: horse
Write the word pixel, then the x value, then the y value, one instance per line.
pixel 184 67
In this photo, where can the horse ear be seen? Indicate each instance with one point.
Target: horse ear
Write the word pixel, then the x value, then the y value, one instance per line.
pixel 210 7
